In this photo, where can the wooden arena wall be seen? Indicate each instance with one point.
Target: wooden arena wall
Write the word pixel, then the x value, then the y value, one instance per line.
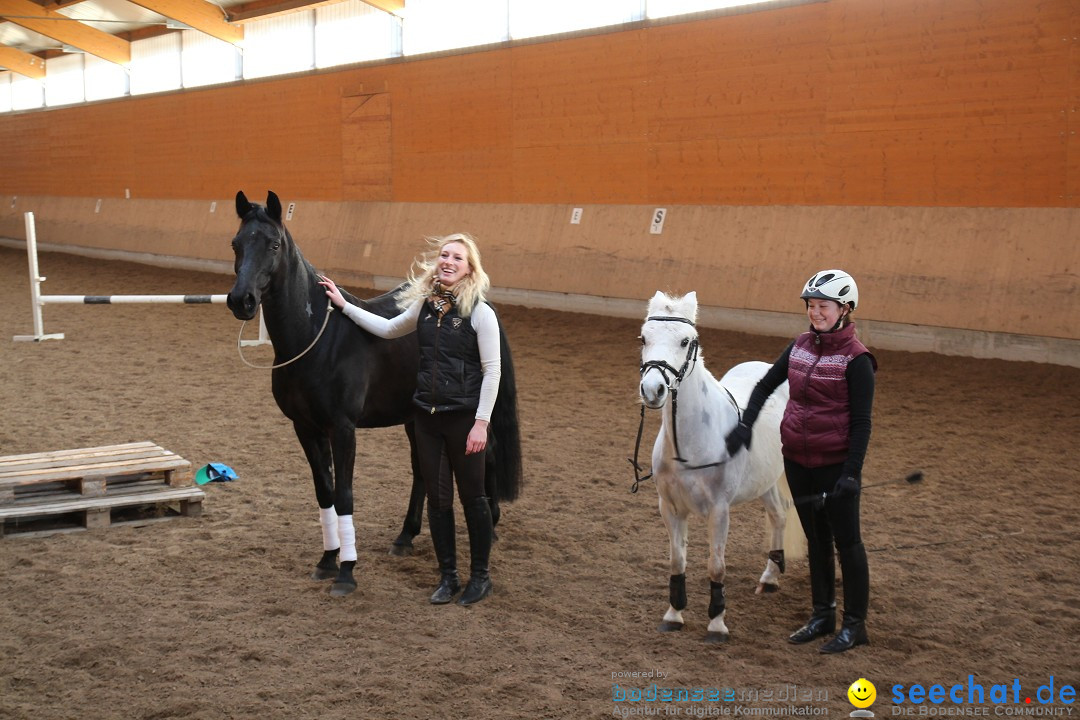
pixel 928 146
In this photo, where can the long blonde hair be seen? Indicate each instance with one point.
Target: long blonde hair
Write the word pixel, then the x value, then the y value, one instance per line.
pixel 469 291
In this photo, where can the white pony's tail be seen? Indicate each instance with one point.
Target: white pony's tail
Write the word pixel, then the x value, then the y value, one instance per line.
pixel 794 538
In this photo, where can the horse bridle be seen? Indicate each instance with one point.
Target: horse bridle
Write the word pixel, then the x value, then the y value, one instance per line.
pixel 282 237
pixel 672 384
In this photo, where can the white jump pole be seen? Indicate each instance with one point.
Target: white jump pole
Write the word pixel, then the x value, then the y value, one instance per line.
pixel 38 300
pixel 35 286
pixel 264 338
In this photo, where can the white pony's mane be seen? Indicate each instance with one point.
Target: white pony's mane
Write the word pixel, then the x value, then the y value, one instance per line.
pixel 664 304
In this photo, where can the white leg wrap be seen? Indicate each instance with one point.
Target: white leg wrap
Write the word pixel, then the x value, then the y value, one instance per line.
pixel 347 535
pixel 328 520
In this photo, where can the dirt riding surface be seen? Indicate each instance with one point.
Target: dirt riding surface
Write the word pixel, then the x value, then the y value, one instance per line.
pixel 973 572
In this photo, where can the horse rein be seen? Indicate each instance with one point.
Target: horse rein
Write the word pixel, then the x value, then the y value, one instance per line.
pixel 672 384
pixel 325 322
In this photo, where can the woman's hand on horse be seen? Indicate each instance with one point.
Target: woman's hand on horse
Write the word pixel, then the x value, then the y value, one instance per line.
pixel 738 438
pixel 477 440
pixel 332 292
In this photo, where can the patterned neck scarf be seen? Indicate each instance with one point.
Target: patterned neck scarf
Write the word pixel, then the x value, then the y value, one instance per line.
pixel 442 300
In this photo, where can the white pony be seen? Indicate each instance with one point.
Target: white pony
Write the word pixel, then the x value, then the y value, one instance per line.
pixel 691 466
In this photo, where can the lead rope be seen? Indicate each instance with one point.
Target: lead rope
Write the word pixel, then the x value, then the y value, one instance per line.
pixel 325 322
pixel 638 477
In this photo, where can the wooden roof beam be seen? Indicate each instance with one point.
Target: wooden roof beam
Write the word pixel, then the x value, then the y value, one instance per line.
pixel 198 15
pixel 262 9
pixel 391 6
pixel 63 29
pixel 57 4
pixel 21 62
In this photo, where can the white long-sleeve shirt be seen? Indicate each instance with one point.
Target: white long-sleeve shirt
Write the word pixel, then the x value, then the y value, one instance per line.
pixel 483 322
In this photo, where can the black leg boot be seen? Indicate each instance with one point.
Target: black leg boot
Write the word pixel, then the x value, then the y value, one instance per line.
pixel 823 595
pixel 441 525
pixel 856 577
pixel 478 519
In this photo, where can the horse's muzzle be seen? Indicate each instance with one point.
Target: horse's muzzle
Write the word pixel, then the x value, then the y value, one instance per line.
pixel 653 394
pixel 243 305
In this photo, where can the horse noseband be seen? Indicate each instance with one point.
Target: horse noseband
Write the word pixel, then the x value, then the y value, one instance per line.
pixel 662 365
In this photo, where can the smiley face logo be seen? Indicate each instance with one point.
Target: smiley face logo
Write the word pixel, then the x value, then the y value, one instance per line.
pixel 862 693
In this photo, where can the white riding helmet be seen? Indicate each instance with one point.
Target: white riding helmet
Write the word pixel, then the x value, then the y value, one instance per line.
pixel 834 285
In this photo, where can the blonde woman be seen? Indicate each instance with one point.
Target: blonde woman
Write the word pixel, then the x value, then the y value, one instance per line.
pixel 456 386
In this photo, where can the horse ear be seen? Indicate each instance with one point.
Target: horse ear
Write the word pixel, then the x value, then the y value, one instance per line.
pixel 654 303
pixel 273 206
pixel 689 301
pixel 243 207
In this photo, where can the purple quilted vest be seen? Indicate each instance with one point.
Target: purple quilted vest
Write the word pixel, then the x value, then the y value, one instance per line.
pixel 815 428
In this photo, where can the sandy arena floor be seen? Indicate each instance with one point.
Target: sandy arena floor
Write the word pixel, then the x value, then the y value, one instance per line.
pixel 974 572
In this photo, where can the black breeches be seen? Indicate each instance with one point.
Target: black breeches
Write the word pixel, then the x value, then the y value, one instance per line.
pixel 448 432
pixel 835 520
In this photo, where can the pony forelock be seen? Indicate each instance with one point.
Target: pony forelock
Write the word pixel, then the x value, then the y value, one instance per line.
pixel 664 304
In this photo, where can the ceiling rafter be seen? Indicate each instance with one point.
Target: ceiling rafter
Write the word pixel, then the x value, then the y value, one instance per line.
pixel 22 62
pixel 197 14
pixel 262 9
pixel 391 6
pixel 57 4
pixel 63 29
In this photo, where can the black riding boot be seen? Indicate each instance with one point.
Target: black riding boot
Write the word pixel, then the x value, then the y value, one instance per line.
pixel 823 595
pixel 441 525
pixel 856 578
pixel 478 519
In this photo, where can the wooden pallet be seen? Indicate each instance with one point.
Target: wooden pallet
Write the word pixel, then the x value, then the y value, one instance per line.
pixel 88 488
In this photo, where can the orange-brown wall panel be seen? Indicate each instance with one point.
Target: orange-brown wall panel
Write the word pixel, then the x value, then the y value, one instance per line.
pixel 575 173
pixel 451 129
pixel 846 102
pixel 456 175
pixel 585 91
pixel 993 164
pixel 949 103
pixel 452 103
pixel 745 76
pixel 771 170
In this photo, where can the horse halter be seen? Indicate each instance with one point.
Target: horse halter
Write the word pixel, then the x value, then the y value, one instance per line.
pixel 672 384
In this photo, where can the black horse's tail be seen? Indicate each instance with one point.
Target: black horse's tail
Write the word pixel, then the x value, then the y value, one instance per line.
pixel 504 428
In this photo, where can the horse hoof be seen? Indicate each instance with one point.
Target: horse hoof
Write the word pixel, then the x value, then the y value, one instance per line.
pixel 669 626
pixel 401 550
pixel 321 574
pixel 716 638
pixel 341 589
pixel 766 588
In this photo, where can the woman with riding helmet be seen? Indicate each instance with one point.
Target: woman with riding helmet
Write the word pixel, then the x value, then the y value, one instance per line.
pixel 825 432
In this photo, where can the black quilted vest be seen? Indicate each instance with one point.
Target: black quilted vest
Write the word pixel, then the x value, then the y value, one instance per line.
pixel 450 373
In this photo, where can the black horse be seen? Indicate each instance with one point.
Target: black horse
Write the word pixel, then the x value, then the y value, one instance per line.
pixel 348 379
